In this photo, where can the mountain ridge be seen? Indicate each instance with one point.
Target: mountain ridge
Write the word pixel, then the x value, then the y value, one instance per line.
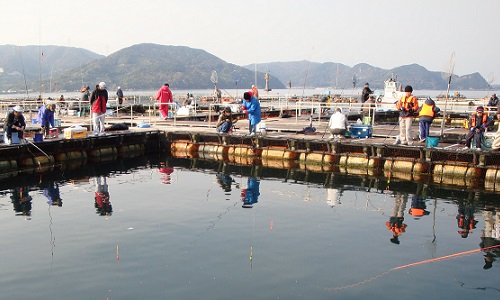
pixel 147 66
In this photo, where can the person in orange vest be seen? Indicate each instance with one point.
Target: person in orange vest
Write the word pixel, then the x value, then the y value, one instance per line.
pixel 407 106
pixel 478 124
pixel 426 113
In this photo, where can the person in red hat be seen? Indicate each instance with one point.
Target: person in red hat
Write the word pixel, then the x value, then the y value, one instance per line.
pixel 478 124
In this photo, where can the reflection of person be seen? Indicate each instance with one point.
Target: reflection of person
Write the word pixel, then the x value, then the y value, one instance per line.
pixel 252 106
pixel 366 93
pixel 333 197
pixel 395 223
pixel 251 194
pixel 418 207
pixel 490 237
pixel 225 121
pixel 119 95
pixel 52 193
pixel 338 124
pixel 21 200
pixel 165 170
pixel 225 181
pixel 15 123
pixel 465 218
pixel 102 204
pixel 98 101
pixel 426 113
pixel 407 105
pixel 46 117
pixel 164 96
pixel 478 124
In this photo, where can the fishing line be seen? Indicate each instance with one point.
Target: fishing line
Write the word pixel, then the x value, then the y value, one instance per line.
pixel 24 75
pixel 422 262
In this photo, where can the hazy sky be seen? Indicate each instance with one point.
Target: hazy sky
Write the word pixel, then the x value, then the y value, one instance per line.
pixel 382 33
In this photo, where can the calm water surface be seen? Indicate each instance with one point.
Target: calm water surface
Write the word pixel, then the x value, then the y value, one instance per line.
pixel 200 230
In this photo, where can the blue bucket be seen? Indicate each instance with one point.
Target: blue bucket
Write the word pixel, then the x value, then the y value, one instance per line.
pixel 431 142
pixel 38 138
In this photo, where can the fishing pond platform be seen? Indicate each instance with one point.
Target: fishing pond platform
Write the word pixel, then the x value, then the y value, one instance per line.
pixel 283 145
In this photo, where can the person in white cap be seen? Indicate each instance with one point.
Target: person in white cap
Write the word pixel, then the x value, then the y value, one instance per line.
pixel 15 123
pixel 98 101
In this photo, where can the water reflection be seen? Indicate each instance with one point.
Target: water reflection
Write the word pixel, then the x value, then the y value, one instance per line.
pixel 53 195
pixel 290 247
pixel 491 236
pixel 21 200
pixel 102 204
pixel 165 171
pixel 395 223
pixel 250 195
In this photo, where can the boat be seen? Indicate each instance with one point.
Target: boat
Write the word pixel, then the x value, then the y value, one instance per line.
pixel 393 91
pixel 455 102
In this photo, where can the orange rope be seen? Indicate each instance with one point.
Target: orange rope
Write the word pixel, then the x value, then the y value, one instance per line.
pixel 412 265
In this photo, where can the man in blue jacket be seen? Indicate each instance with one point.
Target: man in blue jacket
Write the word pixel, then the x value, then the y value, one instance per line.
pixel 252 106
pixel 46 117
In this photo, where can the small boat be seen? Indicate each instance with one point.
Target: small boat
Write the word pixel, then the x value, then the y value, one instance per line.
pixel 393 91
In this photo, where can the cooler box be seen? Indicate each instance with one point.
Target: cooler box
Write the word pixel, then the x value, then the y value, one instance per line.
pixel 360 131
pixel 75 132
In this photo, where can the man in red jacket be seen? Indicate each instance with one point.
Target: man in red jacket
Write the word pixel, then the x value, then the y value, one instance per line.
pixel 164 95
pixel 98 101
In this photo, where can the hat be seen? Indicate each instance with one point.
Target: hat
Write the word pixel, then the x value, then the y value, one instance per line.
pixel 102 84
pixel 367 83
pixel 480 109
pixel 18 108
pixel 247 96
pixel 408 89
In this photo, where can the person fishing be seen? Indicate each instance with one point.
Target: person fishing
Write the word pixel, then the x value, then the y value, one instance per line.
pixel 15 124
pixel 226 121
pixel 426 113
pixel 45 117
pixel 164 96
pixel 478 124
pixel 98 101
pixel 251 106
pixel 365 94
pixel 407 106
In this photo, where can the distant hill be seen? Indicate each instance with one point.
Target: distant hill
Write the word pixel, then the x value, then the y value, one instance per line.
pixel 148 66
pixel 18 62
pixel 335 75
